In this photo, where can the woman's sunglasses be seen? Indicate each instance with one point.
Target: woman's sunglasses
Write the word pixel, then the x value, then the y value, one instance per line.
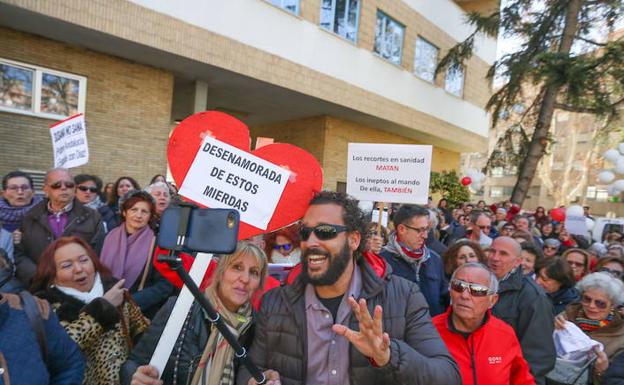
pixel 475 289
pixel 85 189
pixel 599 304
pixel 614 273
pixel 323 232
pixel 285 246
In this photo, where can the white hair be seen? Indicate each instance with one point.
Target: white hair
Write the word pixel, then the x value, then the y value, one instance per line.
pixel 157 185
pixel 57 169
pixel 612 287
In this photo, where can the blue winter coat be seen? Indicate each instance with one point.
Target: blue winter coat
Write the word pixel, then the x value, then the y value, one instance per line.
pixel 431 278
pixel 20 349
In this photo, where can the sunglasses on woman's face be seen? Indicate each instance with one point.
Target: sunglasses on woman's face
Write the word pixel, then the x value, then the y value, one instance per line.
pixel 475 289
pixel 586 300
pixel 323 232
pixel 285 246
pixel 86 188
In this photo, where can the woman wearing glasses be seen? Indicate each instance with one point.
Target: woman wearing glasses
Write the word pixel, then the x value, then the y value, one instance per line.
pixel 597 316
pixel 88 193
pixel 611 265
pixel 128 249
pixel 578 260
pixel 282 246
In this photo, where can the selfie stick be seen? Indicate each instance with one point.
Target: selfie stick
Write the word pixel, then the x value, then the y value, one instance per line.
pixel 175 263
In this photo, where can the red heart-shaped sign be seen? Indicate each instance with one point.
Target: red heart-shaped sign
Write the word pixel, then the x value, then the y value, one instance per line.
pixel 306 173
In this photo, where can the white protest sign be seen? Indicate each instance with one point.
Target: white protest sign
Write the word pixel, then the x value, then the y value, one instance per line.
pixel 384 217
pixel 576 224
pixel 223 176
pixel 69 142
pixel 176 320
pixel 397 173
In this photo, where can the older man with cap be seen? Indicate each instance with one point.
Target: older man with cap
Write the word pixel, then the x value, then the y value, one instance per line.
pixel 57 216
pixel 524 306
pixel 485 348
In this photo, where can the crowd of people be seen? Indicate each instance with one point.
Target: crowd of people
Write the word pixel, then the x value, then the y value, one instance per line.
pixel 472 294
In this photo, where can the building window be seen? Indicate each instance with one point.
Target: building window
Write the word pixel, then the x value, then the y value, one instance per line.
pixel 289 5
pixel 602 195
pixel 591 192
pixel 496 192
pixel 39 91
pixel 454 79
pixel 425 59
pixel 389 38
pixel 341 17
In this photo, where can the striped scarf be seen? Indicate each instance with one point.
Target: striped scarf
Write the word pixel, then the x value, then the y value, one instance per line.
pixel 216 366
pixel 11 217
pixel 589 325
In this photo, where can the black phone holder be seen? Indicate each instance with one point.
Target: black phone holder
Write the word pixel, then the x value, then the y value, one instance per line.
pixel 175 263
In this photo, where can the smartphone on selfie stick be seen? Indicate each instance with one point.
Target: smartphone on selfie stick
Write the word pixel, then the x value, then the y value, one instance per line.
pixel 190 229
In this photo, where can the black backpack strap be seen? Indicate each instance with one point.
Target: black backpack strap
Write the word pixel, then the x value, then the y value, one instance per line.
pixel 36 322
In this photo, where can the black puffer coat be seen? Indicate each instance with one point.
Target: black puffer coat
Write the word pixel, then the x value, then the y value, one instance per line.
pixel 418 356
pixel 524 306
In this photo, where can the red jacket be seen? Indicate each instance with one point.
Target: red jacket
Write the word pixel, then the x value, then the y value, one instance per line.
pixel 491 355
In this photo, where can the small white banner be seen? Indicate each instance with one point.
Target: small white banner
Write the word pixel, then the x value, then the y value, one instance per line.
pixel 223 176
pixel 397 173
pixel 69 142
pixel 576 224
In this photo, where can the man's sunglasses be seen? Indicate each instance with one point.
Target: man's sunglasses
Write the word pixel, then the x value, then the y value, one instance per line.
pixel 323 232
pixel 285 246
pixel 58 184
pixel 475 289
pixel 85 189
pixel 599 303
pixel 577 264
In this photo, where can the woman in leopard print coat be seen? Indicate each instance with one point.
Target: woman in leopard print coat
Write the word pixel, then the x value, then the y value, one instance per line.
pixel 93 307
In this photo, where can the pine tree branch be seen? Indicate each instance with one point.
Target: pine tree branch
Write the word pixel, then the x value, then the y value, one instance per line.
pixel 588 110
pixel 590 41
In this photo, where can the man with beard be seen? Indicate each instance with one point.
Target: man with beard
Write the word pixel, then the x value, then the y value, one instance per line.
pixel 314 331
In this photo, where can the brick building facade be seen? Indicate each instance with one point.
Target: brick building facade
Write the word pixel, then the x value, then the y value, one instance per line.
pixel 148 64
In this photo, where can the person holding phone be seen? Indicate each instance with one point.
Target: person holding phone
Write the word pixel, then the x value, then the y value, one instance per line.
pixel 93 307
pixel 200 355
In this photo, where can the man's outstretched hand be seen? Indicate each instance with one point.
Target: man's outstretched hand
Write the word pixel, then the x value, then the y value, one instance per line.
pixel 371 340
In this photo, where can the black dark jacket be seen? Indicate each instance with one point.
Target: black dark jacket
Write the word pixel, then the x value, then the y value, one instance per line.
pixel 155 293
pixel 615 372
pixel 417 354
pixel 37 235
pixel 563 297
pixel 187 350
pixel 431 278
pixel 524 306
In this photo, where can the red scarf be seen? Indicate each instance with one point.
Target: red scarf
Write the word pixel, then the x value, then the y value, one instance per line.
pixel 416 254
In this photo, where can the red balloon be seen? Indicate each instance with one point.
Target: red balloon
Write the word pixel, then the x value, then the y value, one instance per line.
pixel 558 214
pixel 466 181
